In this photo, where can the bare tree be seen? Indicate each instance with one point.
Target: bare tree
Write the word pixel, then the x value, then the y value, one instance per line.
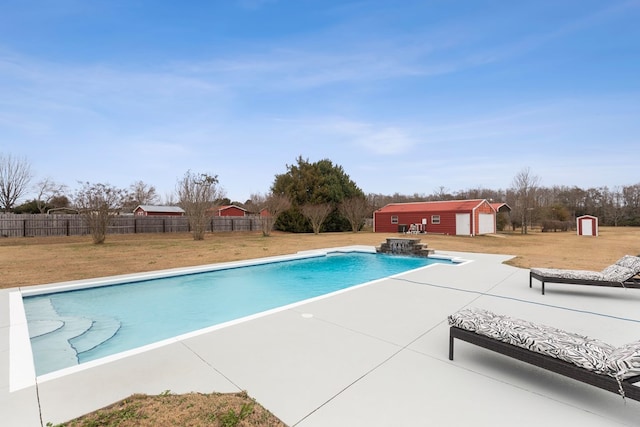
pixel 197 193
pixel 442 193
pixel 270 207
pixel 616 205
pixel 525 185
pixel 15 175
pixel 355 209
pixel 98 204
pixel 48 190
pixel 170 199
pixel 316 214
pixel 141 194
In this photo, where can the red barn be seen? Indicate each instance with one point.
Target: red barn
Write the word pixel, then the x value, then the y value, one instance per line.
pixel 230 210
pixel 457 217
pixel 150 210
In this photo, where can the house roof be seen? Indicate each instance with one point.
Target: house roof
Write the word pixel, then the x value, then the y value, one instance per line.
pixel 439 206
pixel 154 208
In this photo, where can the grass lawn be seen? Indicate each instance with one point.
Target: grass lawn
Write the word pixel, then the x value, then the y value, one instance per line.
pixel 34 261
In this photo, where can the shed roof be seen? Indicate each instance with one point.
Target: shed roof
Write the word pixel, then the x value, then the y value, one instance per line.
pixel 154 208
pixel 225 207
pixel 439 206
pixel 501 207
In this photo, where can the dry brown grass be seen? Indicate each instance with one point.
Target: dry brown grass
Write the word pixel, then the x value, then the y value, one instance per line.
pixel 31 261
pixel 192 409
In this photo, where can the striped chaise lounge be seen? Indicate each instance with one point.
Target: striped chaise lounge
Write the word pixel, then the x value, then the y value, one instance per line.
pixel 619 275
pixel 575 356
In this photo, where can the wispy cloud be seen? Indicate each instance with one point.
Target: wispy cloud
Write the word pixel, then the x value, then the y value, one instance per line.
pixel 378 139
pixel 51 93
pixel 372 86
pixel 534 38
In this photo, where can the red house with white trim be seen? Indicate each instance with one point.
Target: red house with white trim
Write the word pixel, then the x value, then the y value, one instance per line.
pixel 454 217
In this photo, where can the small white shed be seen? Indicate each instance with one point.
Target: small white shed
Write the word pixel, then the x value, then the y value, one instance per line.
pixel 587 225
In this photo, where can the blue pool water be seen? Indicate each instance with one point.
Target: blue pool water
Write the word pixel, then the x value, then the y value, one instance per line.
pixel 68 328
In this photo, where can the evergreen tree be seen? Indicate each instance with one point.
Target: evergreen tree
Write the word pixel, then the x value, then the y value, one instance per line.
pixel 307 183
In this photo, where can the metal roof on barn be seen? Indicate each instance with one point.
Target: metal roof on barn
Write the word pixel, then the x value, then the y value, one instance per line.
pixel 438 206
pixel 154 208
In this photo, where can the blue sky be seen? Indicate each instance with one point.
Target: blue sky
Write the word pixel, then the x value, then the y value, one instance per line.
pixel 407 96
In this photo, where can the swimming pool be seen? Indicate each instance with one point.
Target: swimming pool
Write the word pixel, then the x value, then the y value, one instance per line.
pixel 76 326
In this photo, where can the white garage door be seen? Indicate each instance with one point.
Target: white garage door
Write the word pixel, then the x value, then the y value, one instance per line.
pixel 487 224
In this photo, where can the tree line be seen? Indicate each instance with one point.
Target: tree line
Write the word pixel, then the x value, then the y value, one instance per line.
pixel 312 197
pixel 309 197
pixel 532 203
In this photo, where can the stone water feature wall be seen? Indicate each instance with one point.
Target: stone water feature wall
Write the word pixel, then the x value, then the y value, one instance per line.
pixel 404 246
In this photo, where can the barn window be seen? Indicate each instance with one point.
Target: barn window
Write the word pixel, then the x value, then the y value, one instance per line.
pixel 394 219
pixel 435 219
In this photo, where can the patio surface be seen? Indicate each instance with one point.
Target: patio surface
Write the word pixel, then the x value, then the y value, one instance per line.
pixel 376 355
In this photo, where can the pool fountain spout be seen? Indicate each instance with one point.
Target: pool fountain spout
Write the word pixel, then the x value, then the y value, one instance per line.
pixel 404 246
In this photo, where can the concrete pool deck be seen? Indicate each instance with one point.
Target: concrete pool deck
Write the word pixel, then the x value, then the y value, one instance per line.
pixel 376 355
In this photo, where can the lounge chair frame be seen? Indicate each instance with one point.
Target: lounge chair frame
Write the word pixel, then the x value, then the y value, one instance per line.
pixel 632 283
pixel 549 363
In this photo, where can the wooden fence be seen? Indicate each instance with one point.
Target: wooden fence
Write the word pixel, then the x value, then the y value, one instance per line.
pixel 36 225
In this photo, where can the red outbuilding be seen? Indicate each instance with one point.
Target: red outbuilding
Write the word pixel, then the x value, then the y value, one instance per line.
pixel 455 217
pixel 587 225
pixel 150 210
pixel 230 210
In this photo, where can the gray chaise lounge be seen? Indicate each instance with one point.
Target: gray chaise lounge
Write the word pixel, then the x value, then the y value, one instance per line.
pixel 619 275
pixel 575 356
